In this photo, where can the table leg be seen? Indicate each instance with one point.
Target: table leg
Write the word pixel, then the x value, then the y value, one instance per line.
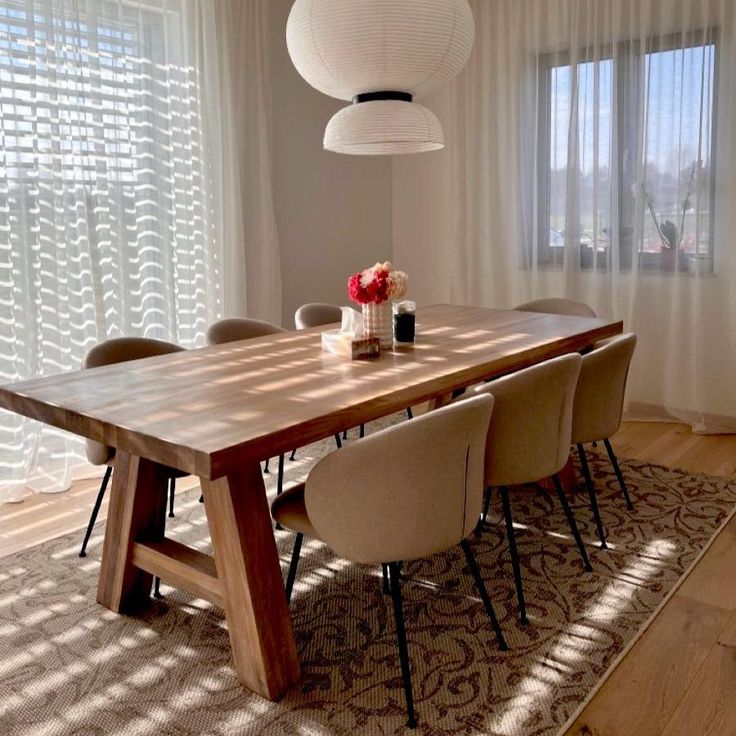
pixel 258 621
pixel 439 401
pixel 137 510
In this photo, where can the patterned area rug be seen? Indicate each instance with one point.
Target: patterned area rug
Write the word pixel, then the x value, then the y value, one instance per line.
pixel 68 666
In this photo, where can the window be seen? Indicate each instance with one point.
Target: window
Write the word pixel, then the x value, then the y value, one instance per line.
pixel 102 174
pixel 67 91
pixel 109 209
pixel 625 156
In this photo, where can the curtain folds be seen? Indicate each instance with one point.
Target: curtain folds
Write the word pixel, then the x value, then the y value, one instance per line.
pixel 134 190
pixel 594 157
pixel 252 280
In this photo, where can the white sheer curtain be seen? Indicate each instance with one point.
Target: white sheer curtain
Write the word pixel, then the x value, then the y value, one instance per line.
pixel 594 157
pixel 240 76
pixel 121 190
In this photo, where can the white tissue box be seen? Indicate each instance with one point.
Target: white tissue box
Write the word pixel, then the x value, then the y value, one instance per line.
pixel 355 348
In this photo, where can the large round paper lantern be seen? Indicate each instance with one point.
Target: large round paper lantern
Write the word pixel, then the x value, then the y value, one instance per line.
pixel 381 55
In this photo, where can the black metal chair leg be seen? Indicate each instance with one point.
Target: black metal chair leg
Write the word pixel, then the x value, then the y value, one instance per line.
pixel 280 478
pixel 292 457
pixel 475 572
pixel 362 431
pixel 384 571
pixel 201 497
pixel 409 413
pixel 95 510
pixel 345 434
pixel 591 495
pixel 265 467
pixel 172 490
pixel 504 492
pixel 157 588
pixel 486 505
pixel 280 484
pixel 619 475
pixel 572 523
pixel 395 579
pixel 338 441
pixel 293 566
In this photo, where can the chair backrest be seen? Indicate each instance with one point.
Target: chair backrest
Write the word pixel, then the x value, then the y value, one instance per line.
pixel 599 397
pixel 316 314
pixel 558 306
pixel 231 330
pixel 529 438
pixel 121 350
pixel 405 492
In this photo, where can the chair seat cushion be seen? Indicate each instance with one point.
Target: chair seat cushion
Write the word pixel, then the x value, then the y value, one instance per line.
pixel 290 510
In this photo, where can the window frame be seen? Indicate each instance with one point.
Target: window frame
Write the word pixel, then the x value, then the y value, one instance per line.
pixel 625 55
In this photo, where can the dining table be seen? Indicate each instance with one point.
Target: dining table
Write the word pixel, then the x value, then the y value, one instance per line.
pixel 217 412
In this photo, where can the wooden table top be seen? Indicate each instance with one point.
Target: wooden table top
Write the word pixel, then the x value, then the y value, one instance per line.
pixel 204 411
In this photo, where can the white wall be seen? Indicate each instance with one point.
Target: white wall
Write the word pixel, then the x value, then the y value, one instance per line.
pixel 422 230
pixel 333 211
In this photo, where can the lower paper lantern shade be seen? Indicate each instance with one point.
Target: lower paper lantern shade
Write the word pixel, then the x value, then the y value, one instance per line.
pixel 384 127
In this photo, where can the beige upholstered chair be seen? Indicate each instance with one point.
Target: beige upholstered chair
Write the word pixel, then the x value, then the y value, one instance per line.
pixel 558 306
pixel 368 502
pixel 599 401
pixel 231 330
pixel 529 440
pixel 121 350
pixel 316 314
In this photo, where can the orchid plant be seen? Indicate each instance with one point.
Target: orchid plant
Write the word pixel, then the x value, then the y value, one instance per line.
pixel 669 232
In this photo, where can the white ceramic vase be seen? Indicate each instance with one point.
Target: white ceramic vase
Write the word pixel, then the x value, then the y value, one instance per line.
pixel 378 321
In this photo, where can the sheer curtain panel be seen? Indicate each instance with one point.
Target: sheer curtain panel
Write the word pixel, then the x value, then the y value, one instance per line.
pixel 594 157
pixel 240 77
pixel 113 216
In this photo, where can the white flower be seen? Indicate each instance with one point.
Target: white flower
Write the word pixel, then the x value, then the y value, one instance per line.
pixel 398 283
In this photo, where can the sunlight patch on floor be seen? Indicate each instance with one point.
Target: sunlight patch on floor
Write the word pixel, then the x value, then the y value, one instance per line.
pixel 572 643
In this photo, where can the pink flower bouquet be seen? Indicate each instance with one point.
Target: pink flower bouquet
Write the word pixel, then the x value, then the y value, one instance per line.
pixel 377 284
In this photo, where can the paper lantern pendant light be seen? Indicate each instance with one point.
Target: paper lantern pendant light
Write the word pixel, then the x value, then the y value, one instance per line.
pixel 381 55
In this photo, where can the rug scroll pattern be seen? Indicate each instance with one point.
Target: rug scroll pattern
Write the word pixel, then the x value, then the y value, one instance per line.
pixel 69 667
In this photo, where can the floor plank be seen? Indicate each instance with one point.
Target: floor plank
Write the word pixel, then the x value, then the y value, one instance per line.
pixel 44 516
pixel 643 692
pixel 675 446
pixel 709 707
pixel 712 579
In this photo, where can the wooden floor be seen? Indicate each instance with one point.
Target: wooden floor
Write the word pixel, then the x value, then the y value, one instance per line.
pixel 44 516
pixel 678 680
